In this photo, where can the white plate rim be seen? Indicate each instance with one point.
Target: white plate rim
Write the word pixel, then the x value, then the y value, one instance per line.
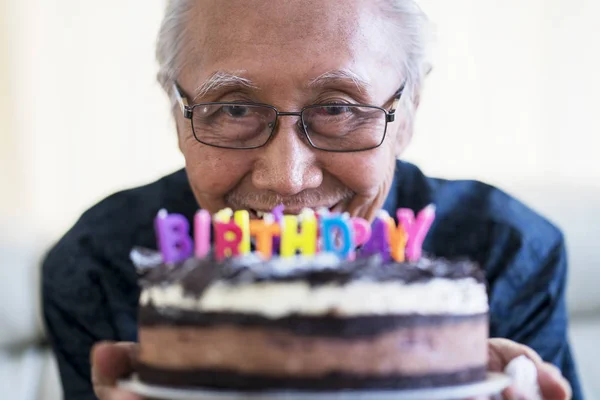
pixel 493 384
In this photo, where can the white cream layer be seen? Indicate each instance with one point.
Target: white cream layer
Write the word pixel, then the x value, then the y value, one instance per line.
pixel 280 299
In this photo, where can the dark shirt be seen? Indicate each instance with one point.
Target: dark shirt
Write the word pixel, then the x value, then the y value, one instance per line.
pixel 90 290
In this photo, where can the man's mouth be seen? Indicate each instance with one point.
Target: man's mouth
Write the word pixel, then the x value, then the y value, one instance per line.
pixel 256 213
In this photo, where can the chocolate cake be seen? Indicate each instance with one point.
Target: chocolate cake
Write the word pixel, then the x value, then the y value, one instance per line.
pixel 312 323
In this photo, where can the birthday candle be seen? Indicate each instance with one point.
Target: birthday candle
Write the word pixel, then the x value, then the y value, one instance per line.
pixel 223 215
pixel 416 229
pixel 379 241
pixel 362 233
pixel 397 238
pixel 228 236
pixel 337 227
pixel 172 234
pixel 264 231
pixel 292 240
pixel 242 219
pixel 277 213
pixel 202 225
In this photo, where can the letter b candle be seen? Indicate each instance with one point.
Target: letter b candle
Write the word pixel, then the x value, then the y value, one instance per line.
pixel 173 237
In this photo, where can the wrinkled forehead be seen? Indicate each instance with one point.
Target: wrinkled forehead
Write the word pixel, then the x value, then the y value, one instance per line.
pixel 288 42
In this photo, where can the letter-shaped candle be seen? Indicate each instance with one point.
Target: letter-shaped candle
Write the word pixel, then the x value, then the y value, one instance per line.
pixel 292 240
pixel 416 229
pixel 202 225
pixel 362 233
pixel 228 237
pixel 277 213
pixel 379 241
pixel 223 215
pixel 264 231
pixel 242 219
pixel 173 236
pixel 337 235
pixel 397 238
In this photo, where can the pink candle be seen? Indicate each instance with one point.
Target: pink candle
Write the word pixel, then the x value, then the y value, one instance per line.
pixel 228 237
pixel 202 225
pixel 172 234
pixel 362 233
pixel 416 229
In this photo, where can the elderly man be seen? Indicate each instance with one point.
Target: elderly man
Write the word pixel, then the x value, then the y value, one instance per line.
pixel 309 104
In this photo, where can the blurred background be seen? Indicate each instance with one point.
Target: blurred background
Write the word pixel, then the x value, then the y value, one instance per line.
pixel 513 100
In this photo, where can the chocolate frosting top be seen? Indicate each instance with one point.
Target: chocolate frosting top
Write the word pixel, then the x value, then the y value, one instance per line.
pixel 196 274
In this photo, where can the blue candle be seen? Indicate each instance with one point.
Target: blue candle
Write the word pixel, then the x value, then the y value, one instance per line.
pixel 337 235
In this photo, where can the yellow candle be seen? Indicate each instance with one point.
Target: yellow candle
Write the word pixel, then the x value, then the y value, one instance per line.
pixel 242 219
pixel 223 215
pixel 292 240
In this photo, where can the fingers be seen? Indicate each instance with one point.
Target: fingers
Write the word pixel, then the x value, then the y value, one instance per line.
pixel 117 394
pixel 111 362
pixel 502 351
pixel 550 380
pixel 552 384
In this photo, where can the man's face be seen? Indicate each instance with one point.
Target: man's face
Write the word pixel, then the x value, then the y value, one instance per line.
pixel 282 48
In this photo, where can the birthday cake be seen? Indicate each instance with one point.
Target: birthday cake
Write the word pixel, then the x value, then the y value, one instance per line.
pixel 229 318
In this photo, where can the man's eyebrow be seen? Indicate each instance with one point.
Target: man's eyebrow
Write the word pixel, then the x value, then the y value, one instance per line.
pixel 221 80
pixel 339 76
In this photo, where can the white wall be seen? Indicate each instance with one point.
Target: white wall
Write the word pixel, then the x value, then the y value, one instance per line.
pixel 513 100
pixel 514 93
pixel 89 118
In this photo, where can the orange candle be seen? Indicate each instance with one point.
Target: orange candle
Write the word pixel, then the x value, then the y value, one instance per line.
pixel 264 231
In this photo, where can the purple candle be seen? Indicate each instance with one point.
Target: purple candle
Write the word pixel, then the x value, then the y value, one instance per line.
pixel 378 243
pixel 173 237
pixel 278 214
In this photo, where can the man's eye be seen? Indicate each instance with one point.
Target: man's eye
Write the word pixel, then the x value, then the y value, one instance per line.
pixel 333 110
pixel 235 111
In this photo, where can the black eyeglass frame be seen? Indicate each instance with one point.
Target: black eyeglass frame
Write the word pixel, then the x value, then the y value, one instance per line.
pixel 188 112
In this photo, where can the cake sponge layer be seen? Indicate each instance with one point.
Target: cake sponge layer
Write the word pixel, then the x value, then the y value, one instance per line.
pixel 403 351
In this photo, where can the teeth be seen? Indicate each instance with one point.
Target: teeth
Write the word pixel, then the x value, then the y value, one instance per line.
pixel 260 214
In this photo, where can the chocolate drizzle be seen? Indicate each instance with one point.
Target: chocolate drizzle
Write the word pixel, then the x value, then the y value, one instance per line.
pixel 196 274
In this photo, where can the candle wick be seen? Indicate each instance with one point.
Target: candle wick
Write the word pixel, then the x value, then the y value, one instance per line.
pixel 162 213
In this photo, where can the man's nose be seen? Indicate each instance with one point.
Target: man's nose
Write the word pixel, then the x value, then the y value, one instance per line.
pixel 288 164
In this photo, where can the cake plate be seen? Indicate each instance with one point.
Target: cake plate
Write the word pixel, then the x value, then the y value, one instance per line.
pixel 494 384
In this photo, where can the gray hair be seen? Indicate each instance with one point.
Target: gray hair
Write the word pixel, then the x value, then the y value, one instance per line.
pixel 408 22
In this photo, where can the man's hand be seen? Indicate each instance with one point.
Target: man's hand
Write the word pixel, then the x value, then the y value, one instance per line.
pixel 111 362
pixel 552 384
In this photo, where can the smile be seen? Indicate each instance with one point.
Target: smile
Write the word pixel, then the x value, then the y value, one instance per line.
pixel 256 213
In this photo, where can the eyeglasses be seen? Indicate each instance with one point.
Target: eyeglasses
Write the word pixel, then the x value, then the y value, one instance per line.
pixel 328 127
